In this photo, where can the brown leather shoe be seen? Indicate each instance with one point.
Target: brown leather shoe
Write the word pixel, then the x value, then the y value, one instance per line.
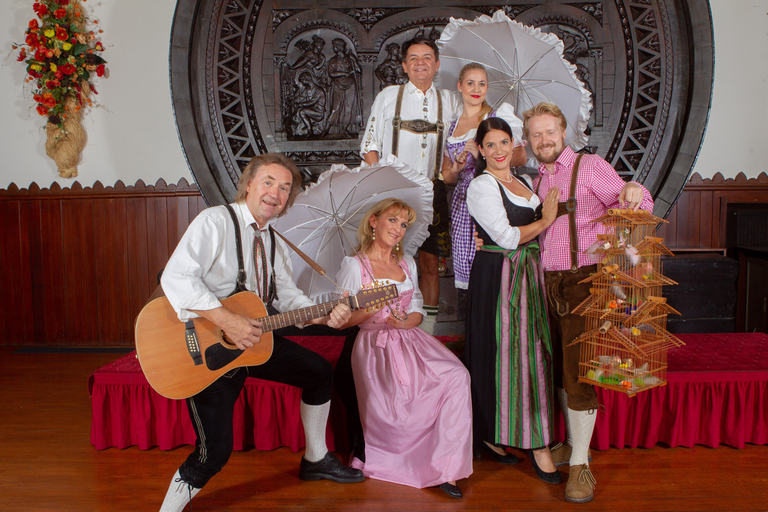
pixel 561 454
pixel 581 484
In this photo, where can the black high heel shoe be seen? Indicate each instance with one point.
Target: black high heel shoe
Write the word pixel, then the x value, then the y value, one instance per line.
pixel 451 490
pixel 507 459
pixel 551 478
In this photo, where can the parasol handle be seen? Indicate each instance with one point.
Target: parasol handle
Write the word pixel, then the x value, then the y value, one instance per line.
pixel 317 268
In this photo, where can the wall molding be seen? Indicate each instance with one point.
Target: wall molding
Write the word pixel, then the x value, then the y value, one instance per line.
pixel 98 190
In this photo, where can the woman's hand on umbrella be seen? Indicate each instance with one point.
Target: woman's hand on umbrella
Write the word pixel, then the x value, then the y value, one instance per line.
pixel 471 146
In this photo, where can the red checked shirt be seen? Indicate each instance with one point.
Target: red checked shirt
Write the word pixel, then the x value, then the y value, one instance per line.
pixel 597 189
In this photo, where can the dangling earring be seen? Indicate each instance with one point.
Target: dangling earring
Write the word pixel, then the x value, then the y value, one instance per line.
pixel 373 237
pixel 397 246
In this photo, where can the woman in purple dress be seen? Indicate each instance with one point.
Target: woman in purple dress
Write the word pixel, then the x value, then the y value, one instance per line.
pixel 413 392
pixel 461 155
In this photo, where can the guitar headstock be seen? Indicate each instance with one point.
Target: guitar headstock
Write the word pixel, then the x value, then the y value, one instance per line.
pixel 375 296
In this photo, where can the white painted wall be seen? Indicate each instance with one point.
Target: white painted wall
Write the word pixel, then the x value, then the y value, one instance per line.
pixel 134 136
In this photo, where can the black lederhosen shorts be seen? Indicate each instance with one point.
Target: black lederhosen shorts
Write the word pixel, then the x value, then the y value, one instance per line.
pixel 439 240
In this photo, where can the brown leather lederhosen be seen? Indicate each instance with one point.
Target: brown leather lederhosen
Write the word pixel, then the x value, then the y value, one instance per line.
pixel 439 240
pixel 419 126
pixel 564 292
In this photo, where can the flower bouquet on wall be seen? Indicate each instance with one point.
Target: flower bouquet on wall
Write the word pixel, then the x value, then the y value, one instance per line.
pixel 62 54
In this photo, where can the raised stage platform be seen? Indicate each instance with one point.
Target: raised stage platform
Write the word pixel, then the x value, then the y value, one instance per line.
pixel 717 393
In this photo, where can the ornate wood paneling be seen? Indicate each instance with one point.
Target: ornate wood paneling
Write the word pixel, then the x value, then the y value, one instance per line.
pixel 698 219
pixel 251 76
pixel 78 264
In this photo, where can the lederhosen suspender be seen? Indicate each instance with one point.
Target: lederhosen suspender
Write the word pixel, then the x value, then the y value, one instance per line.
pixel 419 126
pixel 569 207
pixel 240 284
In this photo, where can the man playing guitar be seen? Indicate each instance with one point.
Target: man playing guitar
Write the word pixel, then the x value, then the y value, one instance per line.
pixel 203 270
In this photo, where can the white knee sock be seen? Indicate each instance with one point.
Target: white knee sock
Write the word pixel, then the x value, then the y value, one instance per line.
pixel 562 397
pixel 582 426
pixel 315 419
pixel 179 494
pixel 428 323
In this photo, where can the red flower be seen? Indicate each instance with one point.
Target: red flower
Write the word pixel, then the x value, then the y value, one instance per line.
pixel 60 13
pixel 40 9
pixel 99 46
pixel 42 110
pixel 51 84
pixel 32 39
pixel 38 98
pixel 58 74
pixel 61 34
pixel 33 24
pixel 62 2
pixel 100 70
pixel 68 69
pixel 49 101
pixel 40 55
pixel 22 55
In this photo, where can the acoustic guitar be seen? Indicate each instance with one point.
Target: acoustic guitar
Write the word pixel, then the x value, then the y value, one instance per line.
pixel 181 359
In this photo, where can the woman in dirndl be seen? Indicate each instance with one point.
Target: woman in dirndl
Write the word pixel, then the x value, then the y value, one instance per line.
pixel 413 392
pixel 508 348
pixel 461 154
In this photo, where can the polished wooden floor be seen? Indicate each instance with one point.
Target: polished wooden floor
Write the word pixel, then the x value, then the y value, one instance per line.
pixel 48 464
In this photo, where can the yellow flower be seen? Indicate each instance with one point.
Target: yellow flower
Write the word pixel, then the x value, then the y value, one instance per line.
pixel 49 33
pixel 67 46
pixel 53 67
pixel 36 67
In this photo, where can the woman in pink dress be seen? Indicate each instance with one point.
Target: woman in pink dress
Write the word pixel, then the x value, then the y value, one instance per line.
pixel 413 392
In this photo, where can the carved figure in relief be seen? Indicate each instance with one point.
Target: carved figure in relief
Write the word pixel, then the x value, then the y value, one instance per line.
pixel 314 61
pixel 309 104
pixel 345 117
pixel 390 71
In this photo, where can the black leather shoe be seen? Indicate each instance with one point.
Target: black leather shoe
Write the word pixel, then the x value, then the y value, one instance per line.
pixel 551 478
pixel 451 490
pixel 507 459
pixel 329 468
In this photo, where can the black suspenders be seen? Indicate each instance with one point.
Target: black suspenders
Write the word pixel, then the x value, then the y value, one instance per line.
pixel 240 284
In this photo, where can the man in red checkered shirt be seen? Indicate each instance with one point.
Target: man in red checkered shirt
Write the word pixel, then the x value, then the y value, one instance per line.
pixel 598 188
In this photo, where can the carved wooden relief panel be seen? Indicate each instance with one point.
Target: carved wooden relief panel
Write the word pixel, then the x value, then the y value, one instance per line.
pixel 299 77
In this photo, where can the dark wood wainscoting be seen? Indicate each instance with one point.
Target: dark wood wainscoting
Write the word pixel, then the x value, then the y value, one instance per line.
pixel 78 264
pixel 697 221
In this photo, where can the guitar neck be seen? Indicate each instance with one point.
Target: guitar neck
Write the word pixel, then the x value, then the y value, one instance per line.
pixel 273 322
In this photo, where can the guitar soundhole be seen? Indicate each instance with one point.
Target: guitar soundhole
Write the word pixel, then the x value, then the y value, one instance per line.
pixel 226 341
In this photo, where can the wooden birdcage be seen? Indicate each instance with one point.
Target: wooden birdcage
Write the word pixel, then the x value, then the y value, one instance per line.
pixel 625 344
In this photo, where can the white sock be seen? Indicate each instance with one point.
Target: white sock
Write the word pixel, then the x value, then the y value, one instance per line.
pixel 179 494
pixel 562 397
pixel 315 419
pixel 429 320
pixel 582 426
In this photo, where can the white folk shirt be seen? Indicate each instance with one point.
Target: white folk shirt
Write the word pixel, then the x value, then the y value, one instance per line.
pixel 486 207
pixel 416 105
pixel 203 268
